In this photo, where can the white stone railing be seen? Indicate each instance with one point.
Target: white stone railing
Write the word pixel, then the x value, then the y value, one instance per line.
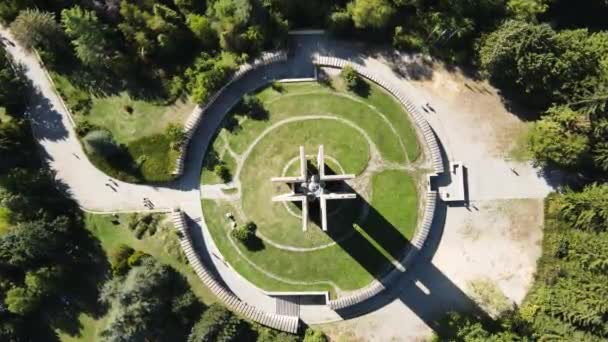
pixel 421 122
pixel 422 233
pixel 281 322
pixel 197 114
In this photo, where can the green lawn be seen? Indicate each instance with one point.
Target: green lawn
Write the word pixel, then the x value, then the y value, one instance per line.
pixel 300 99
pixel 365 235
pixel 274 152
pixel 378 239
pixel 208 176
pixel 147 118
pixel 163 246
pixel 148 156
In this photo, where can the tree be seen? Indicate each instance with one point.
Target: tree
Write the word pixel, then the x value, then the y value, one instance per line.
pixel 539 65
pixel 560 138
pixel 12 85
pixel 143 306
pixel 101 143
pixel 527 9
pixel 35 29
pixel 313 335
pixel 223 172
pixel 20 301
pixel 201 26
pixel 9 9
pixel 340 23
pixel 217 324
pixel 350 77
pixel 87 34
pixel 244 233
pixel 230 20
pixel 253 107
pixel 586 210
pixel 373 14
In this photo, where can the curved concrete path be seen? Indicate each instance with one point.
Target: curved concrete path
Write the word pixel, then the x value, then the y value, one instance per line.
pixel 412 305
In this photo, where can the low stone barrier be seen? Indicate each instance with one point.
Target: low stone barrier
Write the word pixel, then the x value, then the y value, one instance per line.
pixel 281 322
pixel 197 114
pixel 422 233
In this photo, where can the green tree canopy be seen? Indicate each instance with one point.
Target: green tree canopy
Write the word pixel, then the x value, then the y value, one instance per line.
pixel 35 29
pixel 373 14
pixel 560 138
pixel 219 325
pixel 87 34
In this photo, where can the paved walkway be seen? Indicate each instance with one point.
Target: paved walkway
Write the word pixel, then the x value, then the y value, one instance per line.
pixel 410 308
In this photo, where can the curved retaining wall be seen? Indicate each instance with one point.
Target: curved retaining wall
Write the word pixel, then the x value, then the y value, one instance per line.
pixel 418 241
pixel 197 114
pixel 280 322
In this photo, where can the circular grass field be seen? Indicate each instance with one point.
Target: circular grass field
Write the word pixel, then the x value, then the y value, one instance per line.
pixel 371 137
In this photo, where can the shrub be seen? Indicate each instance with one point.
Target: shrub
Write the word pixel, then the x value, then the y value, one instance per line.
pixel 340 23
pixel 136 258
pixel 101 142
pixel 253 107
pixel 176 88
pixel 350 77
pixel 133 221
pixel 218 324
pixel 140 231
pixel 277 86
pixel 176 135
pixel 83 127
pixel 244 233
pixel 119 260
pixel 312 335
pixel 407 41
pixel 223 172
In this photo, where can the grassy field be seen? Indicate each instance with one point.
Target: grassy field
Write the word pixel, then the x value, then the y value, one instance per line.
pixel 163 246
pixel 148 155
pixel 147 118
pixel 274 152
pixel 365 235
pixel 208 176
pixel 378 239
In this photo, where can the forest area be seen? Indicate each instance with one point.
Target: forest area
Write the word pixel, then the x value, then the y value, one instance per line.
pixel 115 59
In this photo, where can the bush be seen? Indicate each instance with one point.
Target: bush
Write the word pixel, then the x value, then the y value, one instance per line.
pixel 350 77
pixel 100 142
pixel 407 41
pixel 223 172
pixel 340 23
pixel 253 107
pixel 277 86
pixel 218 324
pixel 244 233
pixel 176 135
pixel 83 127
pixel 136 258
pixel 133 221
pixel 119 260
pixel 312 335
pixel 140 231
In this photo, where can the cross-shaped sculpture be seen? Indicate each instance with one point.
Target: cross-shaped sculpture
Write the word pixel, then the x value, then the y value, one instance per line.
pixel 306 190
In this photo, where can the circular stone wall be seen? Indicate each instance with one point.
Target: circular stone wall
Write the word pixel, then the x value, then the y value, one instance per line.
pixel 369 136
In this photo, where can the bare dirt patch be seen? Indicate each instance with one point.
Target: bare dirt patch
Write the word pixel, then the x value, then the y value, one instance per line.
pixel 479 107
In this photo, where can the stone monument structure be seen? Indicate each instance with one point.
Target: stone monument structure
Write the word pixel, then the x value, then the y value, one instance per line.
pixel 309 188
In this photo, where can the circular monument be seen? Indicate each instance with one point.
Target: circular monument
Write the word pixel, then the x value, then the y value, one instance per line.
pixel 329 177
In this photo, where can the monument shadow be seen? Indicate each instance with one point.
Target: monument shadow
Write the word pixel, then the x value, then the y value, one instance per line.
pixel 422 287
